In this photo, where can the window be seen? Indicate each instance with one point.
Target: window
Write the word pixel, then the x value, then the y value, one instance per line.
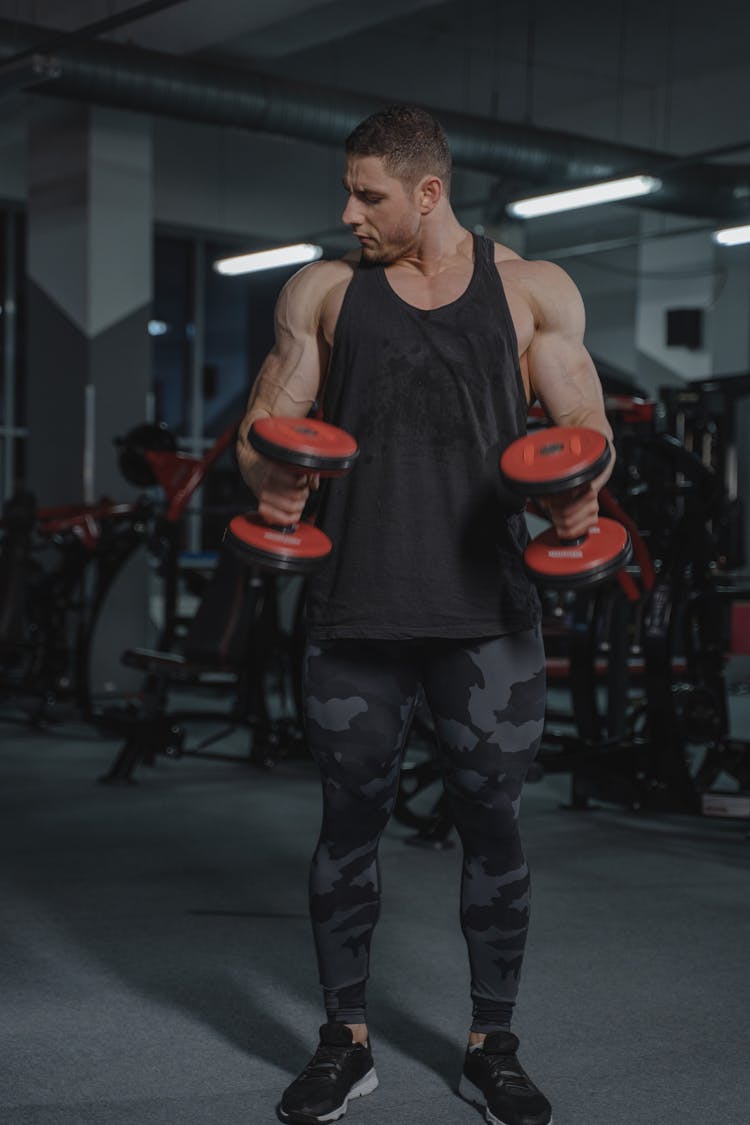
pixel 172 328
pixel 210 334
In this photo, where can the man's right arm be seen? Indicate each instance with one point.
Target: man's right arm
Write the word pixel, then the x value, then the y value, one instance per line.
pixel 287 385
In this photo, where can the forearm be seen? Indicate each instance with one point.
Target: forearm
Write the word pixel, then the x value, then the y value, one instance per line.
pixel 575 398
pixel 271 397
pixel 596 419
pixel 253 468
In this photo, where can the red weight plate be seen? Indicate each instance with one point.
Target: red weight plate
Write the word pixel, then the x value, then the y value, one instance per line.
pixel 605 550
pixel 305 443
pixel 556 459
pixel 301 549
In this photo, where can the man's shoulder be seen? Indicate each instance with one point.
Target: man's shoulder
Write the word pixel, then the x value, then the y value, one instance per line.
pixel 541 281
pixel 308 294
pixel 314 285
pixel 536 269
pixel 324 275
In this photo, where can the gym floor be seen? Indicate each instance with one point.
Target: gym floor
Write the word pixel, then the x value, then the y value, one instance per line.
pixel 158 967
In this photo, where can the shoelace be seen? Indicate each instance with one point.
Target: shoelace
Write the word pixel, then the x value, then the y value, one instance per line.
pixel 325 1060
pixel 509 1070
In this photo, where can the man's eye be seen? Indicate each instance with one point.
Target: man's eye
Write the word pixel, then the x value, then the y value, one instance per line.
pixel 373 198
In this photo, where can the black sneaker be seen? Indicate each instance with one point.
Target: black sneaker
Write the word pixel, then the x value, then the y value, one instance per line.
pixel 339 1070
pixel 494 1080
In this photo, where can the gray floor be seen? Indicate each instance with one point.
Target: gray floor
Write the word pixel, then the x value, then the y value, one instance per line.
pixel 157 966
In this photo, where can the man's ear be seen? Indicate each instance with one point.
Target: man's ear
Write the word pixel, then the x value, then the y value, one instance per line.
pixel 429 193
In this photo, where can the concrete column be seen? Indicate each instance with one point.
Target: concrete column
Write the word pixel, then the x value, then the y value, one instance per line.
pixel 89 300
pixel 89 297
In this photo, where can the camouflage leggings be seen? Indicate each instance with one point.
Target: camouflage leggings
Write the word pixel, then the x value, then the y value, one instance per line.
pixel 487 702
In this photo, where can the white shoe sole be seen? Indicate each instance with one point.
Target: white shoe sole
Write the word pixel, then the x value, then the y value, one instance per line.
pixel 471 1093
pixel 365 1085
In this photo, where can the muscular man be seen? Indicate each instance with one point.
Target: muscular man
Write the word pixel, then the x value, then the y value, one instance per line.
pixel 428 345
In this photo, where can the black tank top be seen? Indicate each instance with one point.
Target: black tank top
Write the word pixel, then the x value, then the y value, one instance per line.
pixel 427 543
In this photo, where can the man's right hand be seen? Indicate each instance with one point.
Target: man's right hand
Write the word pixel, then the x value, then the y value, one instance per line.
pixel 282 493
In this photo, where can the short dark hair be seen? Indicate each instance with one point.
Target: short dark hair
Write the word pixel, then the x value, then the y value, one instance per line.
pixel 409 141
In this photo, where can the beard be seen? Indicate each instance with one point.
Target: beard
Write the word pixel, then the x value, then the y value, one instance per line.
pixel 399 243
pixel 379 255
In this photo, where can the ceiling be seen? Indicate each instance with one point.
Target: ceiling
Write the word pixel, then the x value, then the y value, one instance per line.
pixel 666 78
pixel 659 75
pixel 260 29
pixel 518 59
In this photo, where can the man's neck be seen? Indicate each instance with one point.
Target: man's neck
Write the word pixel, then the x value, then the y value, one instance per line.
pixel 443 243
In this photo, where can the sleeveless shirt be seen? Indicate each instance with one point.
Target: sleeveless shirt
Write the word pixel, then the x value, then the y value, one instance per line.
pixel 426 540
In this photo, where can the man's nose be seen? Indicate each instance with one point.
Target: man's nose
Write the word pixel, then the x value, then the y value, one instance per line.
pixel 352 215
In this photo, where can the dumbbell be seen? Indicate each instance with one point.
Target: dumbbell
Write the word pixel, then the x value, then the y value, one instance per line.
pixel 304 445
pixel 564 459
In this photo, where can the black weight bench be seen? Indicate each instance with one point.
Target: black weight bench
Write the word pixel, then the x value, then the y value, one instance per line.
pixel 230 644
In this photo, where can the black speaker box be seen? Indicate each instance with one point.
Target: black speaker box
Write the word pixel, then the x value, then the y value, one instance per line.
pixel 685 328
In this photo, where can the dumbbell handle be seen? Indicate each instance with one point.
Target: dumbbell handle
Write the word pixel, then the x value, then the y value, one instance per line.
pixel 305 447
pixel 285 458
pixel 563 460
pixel 557 461
pixel 572 494
pixel 287 528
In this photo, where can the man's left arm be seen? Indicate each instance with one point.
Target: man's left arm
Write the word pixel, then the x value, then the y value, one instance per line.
pixel 563 377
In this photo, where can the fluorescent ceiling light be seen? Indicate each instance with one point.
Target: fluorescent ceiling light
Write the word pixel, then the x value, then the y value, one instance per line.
pixel 268 259
pixel 607 192
pixel 732 236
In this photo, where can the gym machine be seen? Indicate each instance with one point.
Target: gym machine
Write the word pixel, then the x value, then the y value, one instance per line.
pixel 643 655
pixel 57 566
pixel 233 642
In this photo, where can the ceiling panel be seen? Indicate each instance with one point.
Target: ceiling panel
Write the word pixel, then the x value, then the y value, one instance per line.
pixel 258 29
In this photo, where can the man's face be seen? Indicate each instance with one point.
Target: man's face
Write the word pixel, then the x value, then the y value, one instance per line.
pixel 381 211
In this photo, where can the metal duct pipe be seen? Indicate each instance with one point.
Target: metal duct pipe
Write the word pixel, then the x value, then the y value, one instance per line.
pixel 153 82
